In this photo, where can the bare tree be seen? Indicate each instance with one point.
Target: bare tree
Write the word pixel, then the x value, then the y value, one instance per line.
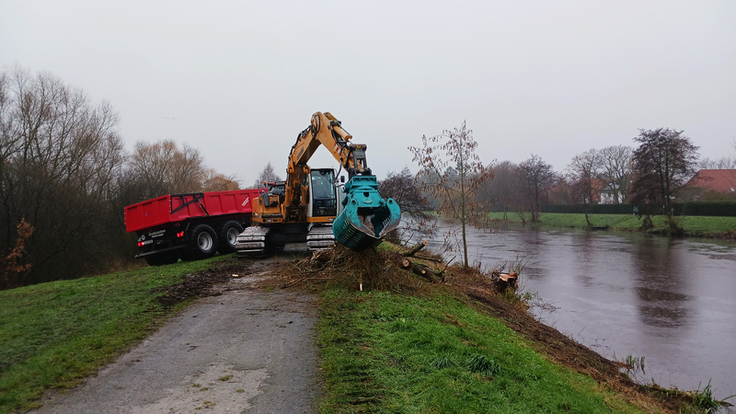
pixel 583 172
pixel 615 164
pixel 164 168
pixel 402 188
pixel 417 220
pixel 454 173
pixel 536 177
pixel 563 192
pixel 268 175
pixel 502 190
pixel 59 158
pixel 663 162
pixel 215 181
pixel 723 163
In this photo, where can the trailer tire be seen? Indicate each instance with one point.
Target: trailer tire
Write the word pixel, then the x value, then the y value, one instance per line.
pixel 228 236
pixel 202 243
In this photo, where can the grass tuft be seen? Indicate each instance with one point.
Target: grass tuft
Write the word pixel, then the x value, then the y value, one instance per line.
pixel 704 402
pixel 442 362
pixel 480 364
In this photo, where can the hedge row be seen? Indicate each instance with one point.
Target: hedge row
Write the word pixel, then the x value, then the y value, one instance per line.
pixel 592 209
pixel 714 208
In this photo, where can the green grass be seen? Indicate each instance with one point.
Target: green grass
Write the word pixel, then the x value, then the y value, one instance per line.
pixel 389 353
pixel 54 334
pixel 693 225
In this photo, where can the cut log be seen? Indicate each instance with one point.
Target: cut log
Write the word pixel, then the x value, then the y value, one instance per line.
pixel 399 260
pixel 418 270
pixel 415 249
pixel 423 272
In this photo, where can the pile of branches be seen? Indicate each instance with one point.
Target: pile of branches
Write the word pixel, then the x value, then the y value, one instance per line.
pixel 367 269
pixel 381 270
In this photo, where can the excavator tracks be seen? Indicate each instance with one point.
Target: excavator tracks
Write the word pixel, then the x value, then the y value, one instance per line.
pixel 260 241
pixel 252 242
pixel 320 238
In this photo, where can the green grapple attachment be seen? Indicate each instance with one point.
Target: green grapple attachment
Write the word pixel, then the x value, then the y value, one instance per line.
pixel 366 218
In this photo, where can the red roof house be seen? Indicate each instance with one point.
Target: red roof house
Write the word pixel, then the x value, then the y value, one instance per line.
pixel 710 181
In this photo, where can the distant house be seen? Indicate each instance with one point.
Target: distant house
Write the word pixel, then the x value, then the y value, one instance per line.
pixel 710 184
pixel 608 195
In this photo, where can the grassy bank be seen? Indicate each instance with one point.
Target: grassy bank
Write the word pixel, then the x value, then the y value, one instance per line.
pixel 54 334
pixel 444 345
pixel 388 352
pixel 697 226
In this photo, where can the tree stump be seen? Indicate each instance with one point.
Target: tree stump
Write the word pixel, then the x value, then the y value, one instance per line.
pixel 505 281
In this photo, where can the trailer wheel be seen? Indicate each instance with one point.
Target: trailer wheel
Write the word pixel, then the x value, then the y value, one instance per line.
pixel 228 236
pixel 202 243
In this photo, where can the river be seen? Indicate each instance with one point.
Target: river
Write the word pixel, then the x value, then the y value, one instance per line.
pixel 671 301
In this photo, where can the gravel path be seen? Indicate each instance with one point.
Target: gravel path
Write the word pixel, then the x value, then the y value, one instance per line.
pixel 245 351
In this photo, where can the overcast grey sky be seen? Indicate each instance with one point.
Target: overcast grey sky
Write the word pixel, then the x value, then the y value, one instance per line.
pixel 238 80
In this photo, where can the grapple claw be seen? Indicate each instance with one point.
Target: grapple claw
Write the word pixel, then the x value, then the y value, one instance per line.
pixel 366 218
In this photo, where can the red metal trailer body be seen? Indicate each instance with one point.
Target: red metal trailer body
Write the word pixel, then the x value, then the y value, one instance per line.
pixel 189 226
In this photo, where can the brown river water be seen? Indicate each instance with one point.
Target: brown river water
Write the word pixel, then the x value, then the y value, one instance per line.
pixel 671 301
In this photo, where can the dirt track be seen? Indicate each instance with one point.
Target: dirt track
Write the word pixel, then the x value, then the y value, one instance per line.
pixel 244 351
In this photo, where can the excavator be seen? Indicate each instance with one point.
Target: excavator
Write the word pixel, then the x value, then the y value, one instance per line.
pixel 311 206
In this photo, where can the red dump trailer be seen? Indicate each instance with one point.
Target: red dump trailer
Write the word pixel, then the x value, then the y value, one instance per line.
pixel 189 226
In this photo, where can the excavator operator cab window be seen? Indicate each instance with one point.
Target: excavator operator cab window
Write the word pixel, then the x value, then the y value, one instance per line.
pixel 324 198
pixel 277 189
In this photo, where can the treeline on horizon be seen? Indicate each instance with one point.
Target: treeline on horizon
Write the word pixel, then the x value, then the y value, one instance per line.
pixel 65 178
pixel 534 186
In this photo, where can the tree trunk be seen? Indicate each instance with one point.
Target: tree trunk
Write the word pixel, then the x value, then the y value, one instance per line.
pixel 415 249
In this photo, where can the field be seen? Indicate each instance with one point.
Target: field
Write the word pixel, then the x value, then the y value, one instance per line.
pixel 699 226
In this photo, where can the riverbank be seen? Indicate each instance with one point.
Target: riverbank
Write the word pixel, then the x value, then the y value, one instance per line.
pixel 389 352
pixel 409 346
pixel 392 341
pixel 693 226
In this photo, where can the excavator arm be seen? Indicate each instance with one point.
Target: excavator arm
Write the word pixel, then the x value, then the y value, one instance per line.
pixel 326 130
pixel 365 218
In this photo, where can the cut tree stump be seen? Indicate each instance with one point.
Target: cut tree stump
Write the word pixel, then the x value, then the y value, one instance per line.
pixel 505 281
